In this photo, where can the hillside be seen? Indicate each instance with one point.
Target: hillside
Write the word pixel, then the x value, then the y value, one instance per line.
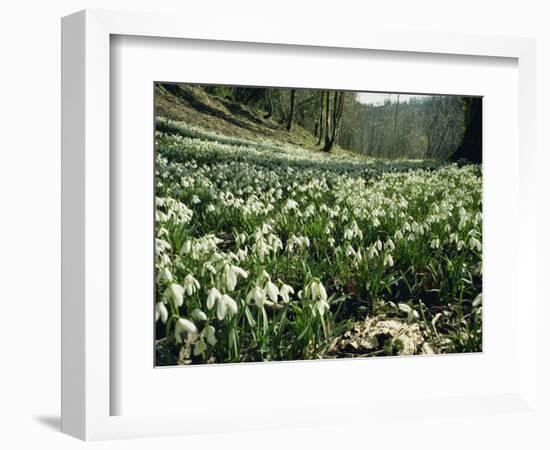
pixel 194 106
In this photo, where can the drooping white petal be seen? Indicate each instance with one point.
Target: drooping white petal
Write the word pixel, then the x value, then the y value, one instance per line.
pixel 197 314
pixel 231 280
pixel 322 292
pixel 230 304
pixel 175 292
pixel 272 291
pixel 221 311
pixel 187 326
pixel 285 291
pixel 258 295
pixel 161 312
pixel 165 275
pixel 210 334
pixel 213 296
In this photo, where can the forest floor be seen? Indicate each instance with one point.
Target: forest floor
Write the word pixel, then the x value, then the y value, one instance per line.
pixel 193 106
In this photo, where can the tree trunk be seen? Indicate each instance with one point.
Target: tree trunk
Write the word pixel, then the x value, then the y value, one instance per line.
pixel 470 147
pixel 291 112
pixel 337 109
pixel 327 117
pixel 395 125
pixel 321 121
pixel 270 103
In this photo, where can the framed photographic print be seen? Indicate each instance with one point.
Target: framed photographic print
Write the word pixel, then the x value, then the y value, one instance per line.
pixel 248 217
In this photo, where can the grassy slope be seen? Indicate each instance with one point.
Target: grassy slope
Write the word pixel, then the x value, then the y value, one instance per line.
pixel 193 106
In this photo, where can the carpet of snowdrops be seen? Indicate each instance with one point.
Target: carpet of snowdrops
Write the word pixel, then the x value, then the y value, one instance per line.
pixel 268 251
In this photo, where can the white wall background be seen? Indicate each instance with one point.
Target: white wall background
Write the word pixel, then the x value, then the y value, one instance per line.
pixel 30 220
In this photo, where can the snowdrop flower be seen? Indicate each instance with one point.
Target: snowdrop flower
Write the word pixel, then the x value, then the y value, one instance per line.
pixel 258 295
pixel 209 334
pixel 372 252
pixel 272 291
pixel 213 296
pixel 175 292
pixel 208 266
pixel 388 260
pixel 285 292
pixel 161 312
pixel 231 272
pixel 226 304
pixel 322 306
pixel 475 244
pixel 162 245
pixel 185 326
pixel 186 247
pixel 199 315
pixel 290 205
pixel 321 292
pixel 317 293
pixel 190 285
pixel 165 275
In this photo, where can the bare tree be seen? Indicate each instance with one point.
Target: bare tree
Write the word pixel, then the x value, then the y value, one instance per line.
pixel 291 112
pixel 395 125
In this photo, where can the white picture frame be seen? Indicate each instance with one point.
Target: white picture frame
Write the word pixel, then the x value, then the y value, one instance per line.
pixel 87 321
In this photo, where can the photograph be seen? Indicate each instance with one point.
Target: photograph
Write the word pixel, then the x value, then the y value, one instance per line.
pixel 302 223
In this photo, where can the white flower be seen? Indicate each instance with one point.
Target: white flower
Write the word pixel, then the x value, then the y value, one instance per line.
pixel 197 314
pixel 388 260
pixel 190 285
pixel 185 326
pixel 321 306
pixel 230 279
pixel 258 295
pixel 285 291
pixel 175 292
pixel 186 247
pixel 208 266
pixel 475 244
pixel 209 334
pixel 213 296
pixel 225 304
pixel 231 276
pixel 161 312
pixel 272 291
pixel 161 246
pixel 318 291
pixel 290 204
pixel 165 275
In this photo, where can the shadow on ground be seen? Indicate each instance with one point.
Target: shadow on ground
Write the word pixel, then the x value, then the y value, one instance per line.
pixel 51 422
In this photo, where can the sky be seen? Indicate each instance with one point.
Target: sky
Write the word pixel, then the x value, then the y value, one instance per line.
pixel 378 98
